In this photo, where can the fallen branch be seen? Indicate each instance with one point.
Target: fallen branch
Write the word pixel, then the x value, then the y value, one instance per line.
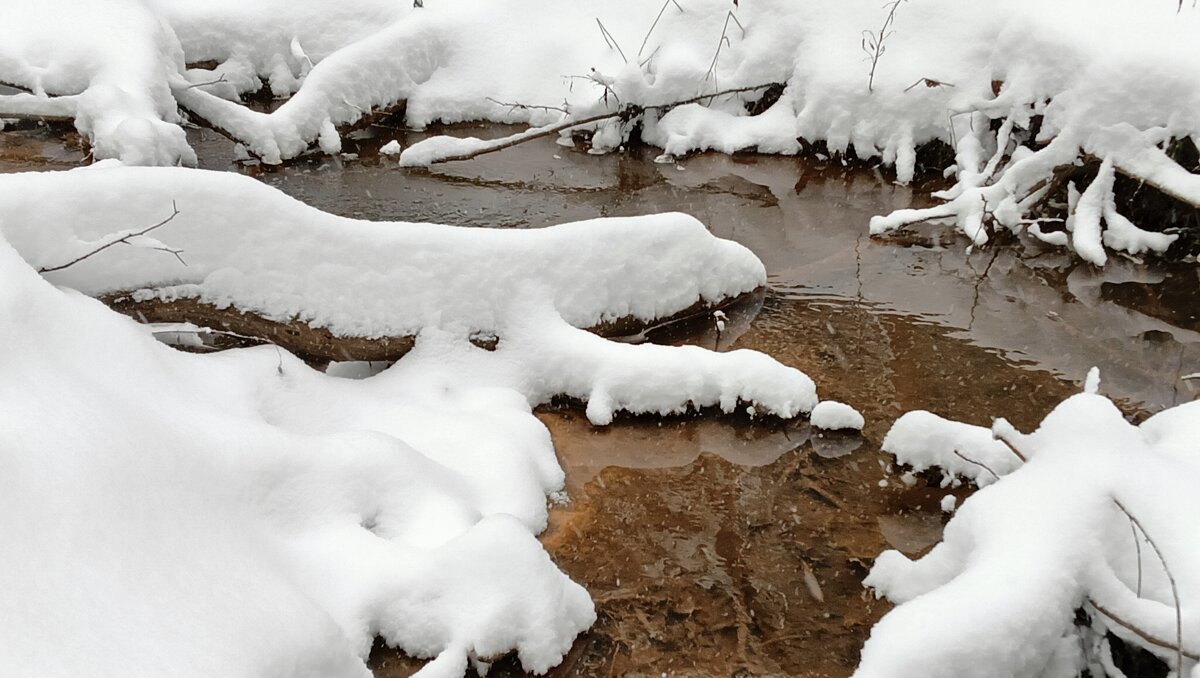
pixel 320 344
pixel 625 112
pixel 26 106
pixel 124 239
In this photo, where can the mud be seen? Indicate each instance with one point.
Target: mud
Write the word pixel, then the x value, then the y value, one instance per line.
pixel 724 546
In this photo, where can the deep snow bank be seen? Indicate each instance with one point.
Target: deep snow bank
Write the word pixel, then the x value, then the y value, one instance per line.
pixel 242 514
pixel 997 597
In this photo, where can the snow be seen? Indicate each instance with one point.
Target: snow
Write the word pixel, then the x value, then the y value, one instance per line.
pixel 832 415
pixel 251 246
pixel 1117 87
pixel 289 516
pixel 924 440
pixel 997 596
pixel 239 513
pixel 948 503
pixel 243 514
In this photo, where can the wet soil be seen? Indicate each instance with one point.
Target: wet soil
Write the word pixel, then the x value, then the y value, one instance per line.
pixel 723 546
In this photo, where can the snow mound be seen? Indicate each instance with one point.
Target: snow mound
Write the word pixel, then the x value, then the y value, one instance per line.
pixel 924 440
pixel 240 513
pixel 832 415
pixel 1078 525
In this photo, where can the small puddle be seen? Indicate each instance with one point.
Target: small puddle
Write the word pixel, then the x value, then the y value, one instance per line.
pixel 723 546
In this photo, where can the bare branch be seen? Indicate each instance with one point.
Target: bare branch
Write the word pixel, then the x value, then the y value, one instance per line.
pixel 1174 589
pixel 123 240
pixel 1140 633
pixel 655 24
pixel 980 464
pixel 204 84
pixel 872 43
pixel 1137 544
pixel 709 97
pixel 929 83
pixel 712 68
pixel 1005 433
pixel 527 107
pixel 610 40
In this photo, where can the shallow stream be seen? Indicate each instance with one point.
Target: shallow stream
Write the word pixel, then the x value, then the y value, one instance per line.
pixel 718 546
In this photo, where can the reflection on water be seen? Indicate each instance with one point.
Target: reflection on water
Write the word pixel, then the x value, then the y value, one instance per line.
pixel 721 546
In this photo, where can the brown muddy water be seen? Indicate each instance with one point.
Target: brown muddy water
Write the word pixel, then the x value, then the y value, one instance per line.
pixel 719 546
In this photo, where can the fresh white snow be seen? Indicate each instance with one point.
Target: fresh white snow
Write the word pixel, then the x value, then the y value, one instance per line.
pixel 832 415
pixel 242 514
pixel 1117 86
pixel 997 596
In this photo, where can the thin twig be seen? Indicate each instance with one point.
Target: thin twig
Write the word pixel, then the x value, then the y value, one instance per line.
pixel 122 240
pixel 1001 430
pixel 929 83
pixel 1141 633
pixel 515 106
pixel 655 24
pixel 712 68
pixel 204 84
pixel 1170 578
pixel 612 42
pixel 872 43
pixel 1137 544
pixel 980 464
pixel 709 97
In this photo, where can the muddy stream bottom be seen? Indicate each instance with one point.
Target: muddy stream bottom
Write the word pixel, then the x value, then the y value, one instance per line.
pixel 723 546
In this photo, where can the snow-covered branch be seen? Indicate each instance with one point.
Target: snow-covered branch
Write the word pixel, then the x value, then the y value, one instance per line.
pixel 1042 539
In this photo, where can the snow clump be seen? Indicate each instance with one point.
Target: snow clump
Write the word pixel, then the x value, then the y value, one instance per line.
pixel 1081 524
pixel 832 416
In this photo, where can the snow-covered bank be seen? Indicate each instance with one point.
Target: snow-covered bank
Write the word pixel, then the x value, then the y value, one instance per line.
pixel 1086 521
pixel 1020 89
pixel 242 514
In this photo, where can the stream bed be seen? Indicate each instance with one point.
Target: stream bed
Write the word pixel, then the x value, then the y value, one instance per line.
pixel 723 546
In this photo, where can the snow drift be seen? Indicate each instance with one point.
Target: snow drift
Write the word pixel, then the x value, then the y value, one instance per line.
pixel 243 514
